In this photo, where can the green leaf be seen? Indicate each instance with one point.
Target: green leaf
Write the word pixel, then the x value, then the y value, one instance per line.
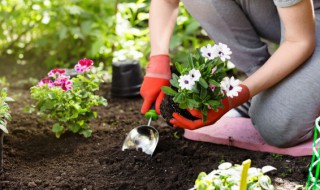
pixel 86 133
pixel 169 91
pixel 174 81
pixel 178 67
pixel 213 82
pixel 190 61
pixel 203 93
pixel 57 129
pixel 74 128
pixel 203 83
pixel 192 27
pixel 192 103
pixel 178 98
pixel 47 106
pixel 214 104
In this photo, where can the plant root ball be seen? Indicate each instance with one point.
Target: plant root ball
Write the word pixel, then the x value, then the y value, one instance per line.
pixel 168 107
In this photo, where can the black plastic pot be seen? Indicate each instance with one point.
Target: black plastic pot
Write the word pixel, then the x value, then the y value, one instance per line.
pixel 126 79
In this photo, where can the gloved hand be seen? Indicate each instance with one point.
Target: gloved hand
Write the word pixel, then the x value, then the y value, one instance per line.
pixel 158 74
pixel 212 115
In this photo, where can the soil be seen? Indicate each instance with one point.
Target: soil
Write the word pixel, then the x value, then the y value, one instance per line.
pixel 35 159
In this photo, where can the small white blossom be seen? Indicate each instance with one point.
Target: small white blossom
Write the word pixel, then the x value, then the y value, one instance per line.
pixel 225 166
pixel 186 82
pixel 231 86
pixel 195 74
pixel 222 51
pixel 208 52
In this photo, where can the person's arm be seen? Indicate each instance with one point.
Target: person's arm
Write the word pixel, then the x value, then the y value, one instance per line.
pixel 162 19
pixel 296 48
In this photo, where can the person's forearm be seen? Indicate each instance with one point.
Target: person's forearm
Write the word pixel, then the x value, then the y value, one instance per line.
pixel 298 45
pixel 162 19
pixel 288 57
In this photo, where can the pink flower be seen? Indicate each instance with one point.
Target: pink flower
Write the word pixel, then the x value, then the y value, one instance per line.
pixel 45 81
pixel 67 85
pixel 61 80
pixel 212 87
pixel 56 72
pixel 83 65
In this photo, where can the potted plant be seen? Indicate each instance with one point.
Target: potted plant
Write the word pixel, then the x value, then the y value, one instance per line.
pixel 68 101
pixel 201 83
pixel 4 118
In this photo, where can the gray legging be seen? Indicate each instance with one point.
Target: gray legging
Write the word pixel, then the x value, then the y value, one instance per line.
pixel 284 115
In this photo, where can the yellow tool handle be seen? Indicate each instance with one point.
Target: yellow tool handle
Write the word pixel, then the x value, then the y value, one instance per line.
pixel 244 175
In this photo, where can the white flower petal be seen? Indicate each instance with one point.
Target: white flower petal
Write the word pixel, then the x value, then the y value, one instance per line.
pixel 194 74
pixel 266 169
pixel 225 166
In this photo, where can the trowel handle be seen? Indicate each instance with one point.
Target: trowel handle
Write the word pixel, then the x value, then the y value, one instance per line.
pixel 152 113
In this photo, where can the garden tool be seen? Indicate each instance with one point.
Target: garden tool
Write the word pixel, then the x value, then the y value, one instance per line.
pixel 144 137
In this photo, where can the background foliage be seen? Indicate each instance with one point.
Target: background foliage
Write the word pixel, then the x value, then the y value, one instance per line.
pixel 56 33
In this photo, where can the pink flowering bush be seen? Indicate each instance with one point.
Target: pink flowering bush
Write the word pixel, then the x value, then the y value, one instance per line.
pixel 68 101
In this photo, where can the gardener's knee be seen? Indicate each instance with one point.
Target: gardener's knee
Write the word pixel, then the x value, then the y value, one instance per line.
pixel 280 131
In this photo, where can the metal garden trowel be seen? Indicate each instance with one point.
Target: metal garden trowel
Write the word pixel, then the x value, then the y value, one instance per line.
pixel 144 137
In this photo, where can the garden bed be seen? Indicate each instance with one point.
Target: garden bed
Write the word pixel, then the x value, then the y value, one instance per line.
pixel 35 159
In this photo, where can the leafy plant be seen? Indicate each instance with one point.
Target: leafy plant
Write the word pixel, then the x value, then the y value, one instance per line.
pixel 228 177
pixel 4 118
pixel 202 83
pixel 68 102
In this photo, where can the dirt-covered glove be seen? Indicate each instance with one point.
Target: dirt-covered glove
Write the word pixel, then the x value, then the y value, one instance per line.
pixel 158 74
pixel 212 115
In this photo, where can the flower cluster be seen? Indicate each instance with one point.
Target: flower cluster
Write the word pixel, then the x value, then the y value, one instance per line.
pixel 220 50
pixel 228 177
pixel 68 101
pixel 57 77
pixel 83 65
pixel 202 83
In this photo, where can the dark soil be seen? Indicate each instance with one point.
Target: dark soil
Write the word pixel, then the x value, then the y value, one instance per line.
pixel 35 159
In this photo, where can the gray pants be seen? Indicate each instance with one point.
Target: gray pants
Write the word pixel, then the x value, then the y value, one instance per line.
pixel 284 115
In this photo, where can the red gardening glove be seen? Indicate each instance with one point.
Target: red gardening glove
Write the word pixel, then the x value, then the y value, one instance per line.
pixel 212 116
pixel 158 74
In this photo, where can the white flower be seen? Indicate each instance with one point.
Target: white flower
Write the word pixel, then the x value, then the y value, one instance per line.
pixel 208 52
pixel 195 74
pixel 224 166
pixel 222 51
pixel 186 82
pixel 230 86
pixel 266 169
